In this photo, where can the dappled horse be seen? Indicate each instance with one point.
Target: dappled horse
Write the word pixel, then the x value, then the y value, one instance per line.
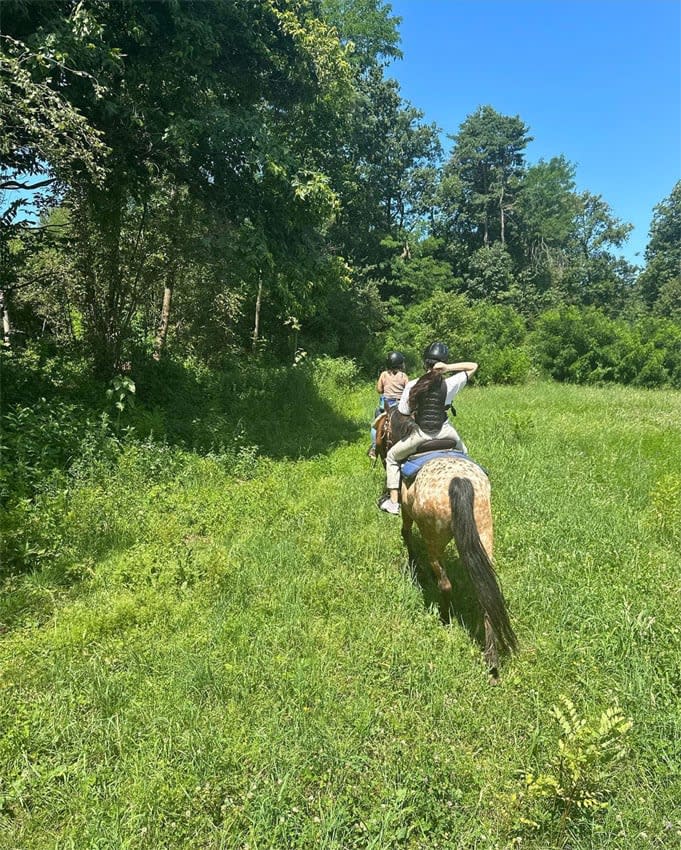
pixel 450 497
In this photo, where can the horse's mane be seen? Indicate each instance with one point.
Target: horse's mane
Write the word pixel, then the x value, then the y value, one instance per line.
pixel 401 424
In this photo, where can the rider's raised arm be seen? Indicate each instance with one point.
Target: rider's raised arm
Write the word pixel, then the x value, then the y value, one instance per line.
pixel 466 366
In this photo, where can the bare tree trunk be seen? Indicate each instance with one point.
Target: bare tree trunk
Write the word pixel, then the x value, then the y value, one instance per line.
pixel 102 213
pixel 114 281
pixel 502 217
pixel 162 331
pixel 6 327
pixel 258 302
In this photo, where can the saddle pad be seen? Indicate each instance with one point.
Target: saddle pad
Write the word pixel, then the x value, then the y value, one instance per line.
pixel 412 464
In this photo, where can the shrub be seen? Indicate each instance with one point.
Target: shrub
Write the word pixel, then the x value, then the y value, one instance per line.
pixel 490 334
pixel 504 366
pixel 41 438
pixel 583 345
pixel 335 371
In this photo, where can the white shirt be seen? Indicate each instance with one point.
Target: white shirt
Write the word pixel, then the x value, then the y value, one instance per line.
pixel 456 382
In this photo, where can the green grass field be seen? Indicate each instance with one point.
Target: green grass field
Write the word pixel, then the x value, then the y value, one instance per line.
pixel 243 659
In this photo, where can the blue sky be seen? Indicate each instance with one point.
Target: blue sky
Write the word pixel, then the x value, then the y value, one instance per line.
pixel 598 81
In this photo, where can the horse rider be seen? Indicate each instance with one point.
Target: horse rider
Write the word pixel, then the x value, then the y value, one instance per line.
pixel 428 398
pixel 390 385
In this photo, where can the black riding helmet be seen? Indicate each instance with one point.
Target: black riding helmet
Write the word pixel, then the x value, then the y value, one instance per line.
pixel 436 352
pixel 395 360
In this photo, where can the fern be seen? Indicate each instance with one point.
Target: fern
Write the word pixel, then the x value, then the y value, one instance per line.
pixel 576 782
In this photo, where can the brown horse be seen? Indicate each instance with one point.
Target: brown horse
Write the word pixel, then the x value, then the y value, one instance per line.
pixel 450 497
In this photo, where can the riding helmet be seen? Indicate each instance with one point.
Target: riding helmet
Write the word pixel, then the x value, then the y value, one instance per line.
pixel 436 352
pixel 395 360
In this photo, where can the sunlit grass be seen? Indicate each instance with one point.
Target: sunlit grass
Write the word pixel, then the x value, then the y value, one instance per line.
pixel 222 662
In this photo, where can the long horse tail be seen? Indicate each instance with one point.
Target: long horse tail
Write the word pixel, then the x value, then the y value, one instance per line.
pixel 478 564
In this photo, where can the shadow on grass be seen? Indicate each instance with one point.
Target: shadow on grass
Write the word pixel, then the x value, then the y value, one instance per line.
pixel 281 410
pixel 284 411
pixel 463 604
pixel 55 413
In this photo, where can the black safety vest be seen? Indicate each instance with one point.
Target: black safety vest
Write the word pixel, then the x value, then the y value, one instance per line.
pixel 431 413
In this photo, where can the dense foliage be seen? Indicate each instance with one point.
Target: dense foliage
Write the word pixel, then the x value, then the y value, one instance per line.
pixel 226 177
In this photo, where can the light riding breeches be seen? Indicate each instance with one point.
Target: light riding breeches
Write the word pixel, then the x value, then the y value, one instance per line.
pixel 410 444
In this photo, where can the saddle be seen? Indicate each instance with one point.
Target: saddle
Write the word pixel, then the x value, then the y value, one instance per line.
pixel 413 464
pixel 429 451
pixel 384 434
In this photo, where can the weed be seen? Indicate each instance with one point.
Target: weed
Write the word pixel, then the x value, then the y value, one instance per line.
pixel 577 781
pixel 121 394
pixel 520 426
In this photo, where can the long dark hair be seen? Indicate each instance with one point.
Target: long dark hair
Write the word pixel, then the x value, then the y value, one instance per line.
pixel 424 383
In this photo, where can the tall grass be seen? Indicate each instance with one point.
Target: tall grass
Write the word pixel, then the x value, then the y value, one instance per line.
pixel 229 650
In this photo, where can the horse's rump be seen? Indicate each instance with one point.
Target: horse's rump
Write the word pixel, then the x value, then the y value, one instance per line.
pixel 451 498
pixel 428 493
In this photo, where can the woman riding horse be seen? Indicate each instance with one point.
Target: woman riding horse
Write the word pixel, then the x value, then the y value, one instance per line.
pixel 389 386
pixel 428 398
pixel 450 497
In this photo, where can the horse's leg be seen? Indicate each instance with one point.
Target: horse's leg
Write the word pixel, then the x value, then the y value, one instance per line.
pixel 435 551
pixel 407 523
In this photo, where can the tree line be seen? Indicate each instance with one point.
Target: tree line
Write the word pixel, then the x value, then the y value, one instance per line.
pixel 244 176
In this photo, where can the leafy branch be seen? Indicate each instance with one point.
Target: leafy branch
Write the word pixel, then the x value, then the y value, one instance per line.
pixel 576 783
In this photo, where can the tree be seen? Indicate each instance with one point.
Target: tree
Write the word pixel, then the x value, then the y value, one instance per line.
pixel 45 296
pixel 546 252
pixel 596 226
pixel 416 276
pixel 547 203
pixel 368 26
pixel 490 273
pixel 46 142
pixel 661 279
pixel 483 175
pixel 217 98
pixel 385 178
pixel 597 276
pixel 379 177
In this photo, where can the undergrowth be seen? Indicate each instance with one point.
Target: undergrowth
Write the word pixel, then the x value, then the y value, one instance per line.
pixel 211 637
